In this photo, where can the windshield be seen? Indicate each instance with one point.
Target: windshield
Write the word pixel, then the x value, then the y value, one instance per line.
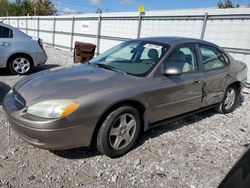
pixel 132 57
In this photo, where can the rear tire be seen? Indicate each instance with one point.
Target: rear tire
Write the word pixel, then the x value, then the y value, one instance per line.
pixel 119 131
pixel 20 64
pixel 229 101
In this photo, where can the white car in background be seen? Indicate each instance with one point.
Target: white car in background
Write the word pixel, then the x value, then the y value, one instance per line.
pixel 19 52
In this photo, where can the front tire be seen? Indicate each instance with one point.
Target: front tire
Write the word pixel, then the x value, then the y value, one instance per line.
pixel 119 131
pixel 229 101
pixel 20 65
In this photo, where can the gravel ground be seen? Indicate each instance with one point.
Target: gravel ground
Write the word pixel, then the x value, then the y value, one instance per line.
pixel 194 152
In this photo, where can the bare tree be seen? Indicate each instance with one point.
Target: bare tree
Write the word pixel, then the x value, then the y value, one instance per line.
pixel 227 4
pixel 220 4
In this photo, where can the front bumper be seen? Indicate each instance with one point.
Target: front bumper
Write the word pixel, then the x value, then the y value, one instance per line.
pixel 55 135
pixel 51 139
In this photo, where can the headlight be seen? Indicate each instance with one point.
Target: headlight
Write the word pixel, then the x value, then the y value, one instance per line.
pixel 53 109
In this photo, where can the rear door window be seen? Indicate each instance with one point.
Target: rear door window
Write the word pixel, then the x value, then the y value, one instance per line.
pixel 5 32
pixel 212 57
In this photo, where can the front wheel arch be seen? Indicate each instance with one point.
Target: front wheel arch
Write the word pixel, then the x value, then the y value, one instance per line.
pixel 133 103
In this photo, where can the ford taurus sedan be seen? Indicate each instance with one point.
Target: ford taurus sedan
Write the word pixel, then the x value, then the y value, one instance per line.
pixel 127 90
pixel 19 52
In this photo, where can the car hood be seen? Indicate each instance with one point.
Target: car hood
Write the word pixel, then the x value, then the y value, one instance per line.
pixel 69 83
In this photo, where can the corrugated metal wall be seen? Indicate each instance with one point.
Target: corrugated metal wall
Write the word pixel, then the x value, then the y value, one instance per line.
pixel 229 28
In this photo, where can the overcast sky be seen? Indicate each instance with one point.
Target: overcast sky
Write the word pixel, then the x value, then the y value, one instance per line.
pixel 132 5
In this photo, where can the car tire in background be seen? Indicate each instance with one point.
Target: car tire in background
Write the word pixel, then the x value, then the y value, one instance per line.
pixel 119 131
pixel 20 64
pixel 229 101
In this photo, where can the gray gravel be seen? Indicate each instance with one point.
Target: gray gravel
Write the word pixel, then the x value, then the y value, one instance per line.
pixel 194 152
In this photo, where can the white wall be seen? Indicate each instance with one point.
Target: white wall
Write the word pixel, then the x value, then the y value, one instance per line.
pixel 230 33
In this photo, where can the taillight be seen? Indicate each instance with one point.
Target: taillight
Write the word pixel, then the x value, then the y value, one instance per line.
pixel 40 42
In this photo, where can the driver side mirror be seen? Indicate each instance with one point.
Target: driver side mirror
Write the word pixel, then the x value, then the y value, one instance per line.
pixel 172 71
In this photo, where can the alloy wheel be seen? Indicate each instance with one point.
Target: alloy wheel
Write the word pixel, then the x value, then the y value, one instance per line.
pixel 122 131
pixel 230 99
pixel 21 65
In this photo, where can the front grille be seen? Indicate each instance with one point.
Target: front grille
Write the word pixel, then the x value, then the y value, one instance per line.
pixel 19 100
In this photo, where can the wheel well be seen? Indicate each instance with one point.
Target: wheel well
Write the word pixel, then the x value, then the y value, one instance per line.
pixel 18 55
pixel 237 84
pixel 137 105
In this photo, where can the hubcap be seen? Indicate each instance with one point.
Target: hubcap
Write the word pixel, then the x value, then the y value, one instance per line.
pixel 230 98
pixel 21 65
pixel 122 131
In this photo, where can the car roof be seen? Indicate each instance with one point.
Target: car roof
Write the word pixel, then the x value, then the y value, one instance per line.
pixel 173 41
pixel 8 26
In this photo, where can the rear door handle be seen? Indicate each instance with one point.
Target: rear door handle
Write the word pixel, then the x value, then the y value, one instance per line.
pixel 228 75
pixel 4 44
pixel 197 81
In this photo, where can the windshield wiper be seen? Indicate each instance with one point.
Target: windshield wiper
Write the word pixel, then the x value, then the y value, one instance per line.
pixel 105 66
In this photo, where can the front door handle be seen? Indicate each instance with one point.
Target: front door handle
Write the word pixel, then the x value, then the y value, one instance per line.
pixel 197 81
